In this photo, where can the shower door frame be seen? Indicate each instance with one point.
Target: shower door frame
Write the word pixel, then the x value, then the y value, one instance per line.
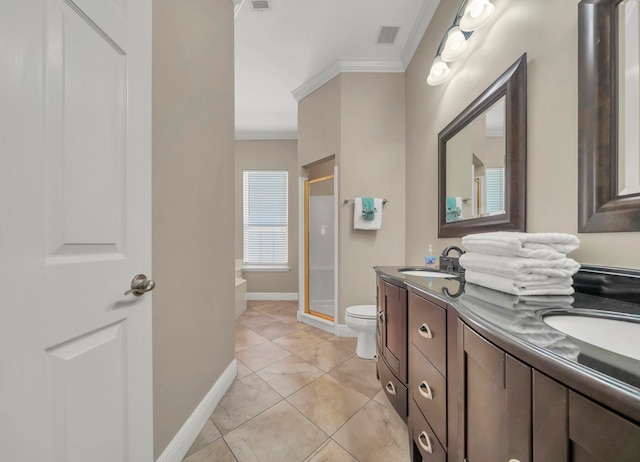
pixel 320 323
pixel 307 309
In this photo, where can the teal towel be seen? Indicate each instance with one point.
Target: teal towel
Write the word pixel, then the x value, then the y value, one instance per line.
pixel 368 210
pixel 451 202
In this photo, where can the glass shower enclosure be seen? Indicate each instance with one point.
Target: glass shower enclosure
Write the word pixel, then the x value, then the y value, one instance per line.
pixel 320 247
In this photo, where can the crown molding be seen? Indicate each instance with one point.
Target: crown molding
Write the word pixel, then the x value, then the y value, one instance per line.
pixel 248 136
pixel 346 65
pixel 417 32
pixel 237 4
pixel 370 65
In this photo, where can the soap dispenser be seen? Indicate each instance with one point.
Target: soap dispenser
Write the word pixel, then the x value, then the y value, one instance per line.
pixel 430 258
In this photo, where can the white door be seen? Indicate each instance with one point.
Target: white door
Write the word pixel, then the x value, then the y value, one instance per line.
pixel 75 218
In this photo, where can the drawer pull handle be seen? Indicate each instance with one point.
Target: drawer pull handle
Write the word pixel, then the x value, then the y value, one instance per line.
pixel 424 331
pixel 391 389
pixel 426 446
pixel 381 316
pixel 425 390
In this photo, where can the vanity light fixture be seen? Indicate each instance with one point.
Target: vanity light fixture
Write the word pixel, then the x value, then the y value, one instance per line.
pixel 471 15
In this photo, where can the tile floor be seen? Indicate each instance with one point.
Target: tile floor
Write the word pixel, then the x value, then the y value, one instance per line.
pixel 301 395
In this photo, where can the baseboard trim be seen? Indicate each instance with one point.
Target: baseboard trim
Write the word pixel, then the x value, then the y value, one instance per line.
pixel 316 322
pixel 342 330
pixel 182 442
pixel 272 296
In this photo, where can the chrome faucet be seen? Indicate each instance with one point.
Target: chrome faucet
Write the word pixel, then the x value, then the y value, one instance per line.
pixel 451 264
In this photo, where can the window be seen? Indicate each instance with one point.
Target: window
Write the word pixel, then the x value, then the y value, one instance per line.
pixel 265 211
pixel 495 190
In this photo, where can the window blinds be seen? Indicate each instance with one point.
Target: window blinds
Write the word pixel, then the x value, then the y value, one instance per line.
pixel 265 217
pixel 495 189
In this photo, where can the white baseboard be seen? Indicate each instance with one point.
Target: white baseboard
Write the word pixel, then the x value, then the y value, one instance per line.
pixel 342 330
pixel 182 442
pixel 272 296
pixel 317 322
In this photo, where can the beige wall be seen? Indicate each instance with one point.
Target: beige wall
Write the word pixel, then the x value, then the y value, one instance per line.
pixel 547 31
pixel 270 155
pixel 319 124
pixel 193 130
pixel 369 143
pixel 371 163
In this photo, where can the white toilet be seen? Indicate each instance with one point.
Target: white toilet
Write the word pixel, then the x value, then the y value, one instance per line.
pixel 362 319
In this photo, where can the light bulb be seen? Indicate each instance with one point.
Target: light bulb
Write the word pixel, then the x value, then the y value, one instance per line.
pixel 476 7
pixel 439 67
pixel 455 45
pixel 476 14
pixel 439 72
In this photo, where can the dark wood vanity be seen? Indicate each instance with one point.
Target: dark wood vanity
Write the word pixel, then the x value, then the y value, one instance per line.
pixel 470 394
pixel 392 342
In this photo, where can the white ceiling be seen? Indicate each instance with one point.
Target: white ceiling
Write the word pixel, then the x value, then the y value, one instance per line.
pixel 283 54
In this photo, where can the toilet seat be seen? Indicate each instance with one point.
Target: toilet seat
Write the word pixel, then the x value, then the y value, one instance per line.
pixel 362 311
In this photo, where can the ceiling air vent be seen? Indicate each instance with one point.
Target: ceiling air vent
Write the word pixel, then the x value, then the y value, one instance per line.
pixel 387 34
pixel 260 5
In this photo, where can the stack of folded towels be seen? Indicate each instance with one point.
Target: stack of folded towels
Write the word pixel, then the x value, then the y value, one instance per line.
pixel 521 263
pixel 518 314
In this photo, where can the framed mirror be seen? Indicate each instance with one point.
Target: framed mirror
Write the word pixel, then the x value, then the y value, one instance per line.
pixel 609 108
pixel 482 160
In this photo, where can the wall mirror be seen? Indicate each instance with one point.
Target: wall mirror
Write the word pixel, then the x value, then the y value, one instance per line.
pixel 609 113
pixel 482 158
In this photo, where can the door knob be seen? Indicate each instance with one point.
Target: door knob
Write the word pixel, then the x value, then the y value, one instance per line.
pixel 140 284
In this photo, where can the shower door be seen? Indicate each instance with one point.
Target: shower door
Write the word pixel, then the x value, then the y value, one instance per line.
pixel 320 247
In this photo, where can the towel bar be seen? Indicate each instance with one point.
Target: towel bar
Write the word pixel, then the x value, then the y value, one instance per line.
pixel 346 201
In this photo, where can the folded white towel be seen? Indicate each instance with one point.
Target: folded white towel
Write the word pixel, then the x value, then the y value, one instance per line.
pixel 565 348
pixel 361 223
pixel 553 286
pixel 547 246
pixel 501 316
pixel 523 323
pixel 520 268
pixel 514 302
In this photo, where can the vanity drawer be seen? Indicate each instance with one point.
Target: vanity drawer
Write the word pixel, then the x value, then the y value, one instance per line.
pixel 394 389
pixel 428 331
pixel 429 390
pixel 423 436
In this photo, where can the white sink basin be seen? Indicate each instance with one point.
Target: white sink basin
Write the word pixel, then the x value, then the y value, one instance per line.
pixel 426 273
pixel 616 335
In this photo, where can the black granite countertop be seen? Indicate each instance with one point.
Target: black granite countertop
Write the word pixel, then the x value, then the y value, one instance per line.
pixel 515 324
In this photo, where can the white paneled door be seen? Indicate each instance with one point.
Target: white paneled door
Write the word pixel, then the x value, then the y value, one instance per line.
pixel 75 228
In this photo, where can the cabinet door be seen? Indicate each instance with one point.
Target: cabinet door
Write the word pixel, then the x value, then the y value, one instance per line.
pixel 496 396
pixel 395 329
pixel 550 420
pixel 597 434
pixel 567 427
